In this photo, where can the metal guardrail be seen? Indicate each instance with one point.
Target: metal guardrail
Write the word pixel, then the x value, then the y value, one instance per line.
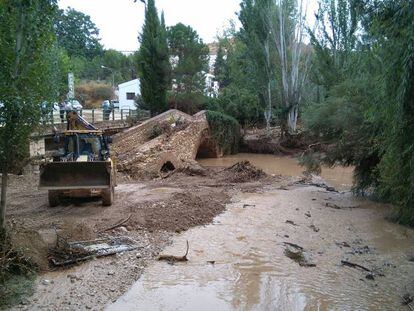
pixel 97 115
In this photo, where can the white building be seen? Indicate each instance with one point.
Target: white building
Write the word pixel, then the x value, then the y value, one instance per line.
pixel 127 92
pixel 212 86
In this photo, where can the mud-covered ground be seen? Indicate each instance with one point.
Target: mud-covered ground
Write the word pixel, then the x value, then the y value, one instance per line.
pixel 156 210
pixel 328 224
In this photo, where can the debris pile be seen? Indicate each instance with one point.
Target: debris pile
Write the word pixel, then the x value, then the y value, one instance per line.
pixel 243 171
pixel 67 253
pixel 183 211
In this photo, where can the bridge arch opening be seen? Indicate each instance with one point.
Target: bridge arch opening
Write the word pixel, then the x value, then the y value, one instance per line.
pixel 207 149
pixel 167 167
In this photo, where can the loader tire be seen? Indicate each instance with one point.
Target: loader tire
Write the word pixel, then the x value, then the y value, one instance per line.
pixel 53 197
pixel 107 196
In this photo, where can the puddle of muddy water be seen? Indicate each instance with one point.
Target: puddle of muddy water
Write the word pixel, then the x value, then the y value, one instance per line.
pixel 251 272
pixel 339 177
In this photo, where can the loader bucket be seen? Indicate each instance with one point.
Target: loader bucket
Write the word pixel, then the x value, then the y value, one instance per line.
pixel 75 175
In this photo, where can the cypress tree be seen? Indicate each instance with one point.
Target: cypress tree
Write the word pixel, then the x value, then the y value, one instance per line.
pixel 220 65
pixel 164 52
pixel 153 62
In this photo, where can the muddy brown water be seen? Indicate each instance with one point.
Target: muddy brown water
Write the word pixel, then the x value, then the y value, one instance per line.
pixel 238 261
pixel 339 177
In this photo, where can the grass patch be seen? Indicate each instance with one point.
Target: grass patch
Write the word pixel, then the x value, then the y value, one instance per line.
pixel 15 290
pixel 17 273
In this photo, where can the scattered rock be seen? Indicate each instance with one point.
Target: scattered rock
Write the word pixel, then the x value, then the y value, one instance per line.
pixel 286 236
pixel 332 205
pixel 45 282
pixel 123 229
pixel 358 250
pixel 291 222
pixel 211 262
pixel 370 276
pixel 111 273
pixel 314 228
pixel 308 214
pixel 24 302
pixel 342 244
pixel 298 254
pixel 248 205
pixel 389 264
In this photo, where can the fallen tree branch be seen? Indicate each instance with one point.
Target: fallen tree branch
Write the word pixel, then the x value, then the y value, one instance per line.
pixel 354 265
pixel 120 223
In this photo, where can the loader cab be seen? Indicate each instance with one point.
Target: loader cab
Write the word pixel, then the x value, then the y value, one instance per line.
pixel 85 145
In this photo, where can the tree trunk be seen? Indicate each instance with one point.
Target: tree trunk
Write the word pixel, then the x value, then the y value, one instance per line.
pixel 4 180
pixel 292 119
pixel 268 112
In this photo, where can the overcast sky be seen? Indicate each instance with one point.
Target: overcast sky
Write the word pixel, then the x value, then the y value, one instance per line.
pixel 120 21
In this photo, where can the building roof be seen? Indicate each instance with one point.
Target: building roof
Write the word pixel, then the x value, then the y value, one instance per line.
pixel 128 83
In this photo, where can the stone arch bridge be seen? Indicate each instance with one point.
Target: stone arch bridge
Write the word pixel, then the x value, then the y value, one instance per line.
pixel 169 141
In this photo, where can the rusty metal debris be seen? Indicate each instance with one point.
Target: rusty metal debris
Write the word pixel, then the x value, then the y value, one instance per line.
pixel 74 252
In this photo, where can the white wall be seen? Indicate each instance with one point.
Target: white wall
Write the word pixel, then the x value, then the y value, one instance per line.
pixel 132 86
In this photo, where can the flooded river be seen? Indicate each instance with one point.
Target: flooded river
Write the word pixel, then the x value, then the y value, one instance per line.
pixel 339 177
pixel 238 261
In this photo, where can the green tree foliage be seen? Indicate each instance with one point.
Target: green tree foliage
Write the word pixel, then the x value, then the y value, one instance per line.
pixel 273 32
pixel 220 66
pixel 366 112
pixel 153 62
pixel 346 76
pixel 334 41
pixel 77 34
pixel 225 131
pixel 26 76
pixel 255 34
pixel 62 65
pixel 117 67
pixel 392 28
pixel 238 95
pixel 189 57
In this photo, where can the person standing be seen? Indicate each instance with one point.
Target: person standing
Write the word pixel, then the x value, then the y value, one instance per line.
pixel 62 109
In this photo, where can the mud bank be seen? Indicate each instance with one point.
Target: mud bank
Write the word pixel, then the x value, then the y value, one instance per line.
pixel 156 210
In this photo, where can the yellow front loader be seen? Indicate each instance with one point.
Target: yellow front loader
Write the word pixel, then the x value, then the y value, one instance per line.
pixel 82 168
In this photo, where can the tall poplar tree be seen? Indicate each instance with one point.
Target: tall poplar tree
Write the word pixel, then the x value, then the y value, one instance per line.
pixel 27 78
pixel 153 62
